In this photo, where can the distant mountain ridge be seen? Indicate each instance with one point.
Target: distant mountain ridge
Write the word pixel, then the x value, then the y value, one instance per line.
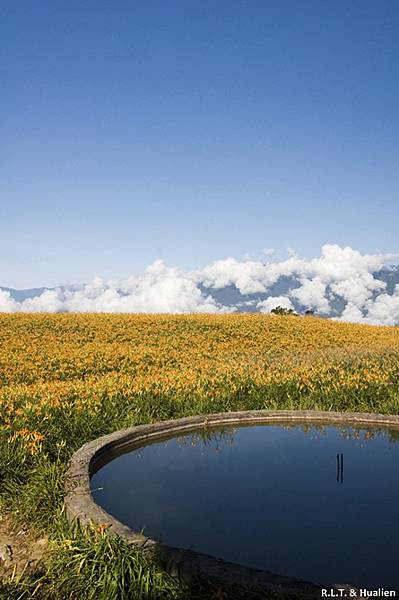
pixel 21 295
pixel 230 297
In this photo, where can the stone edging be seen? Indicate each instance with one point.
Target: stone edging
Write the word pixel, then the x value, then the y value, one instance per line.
pixel 186 564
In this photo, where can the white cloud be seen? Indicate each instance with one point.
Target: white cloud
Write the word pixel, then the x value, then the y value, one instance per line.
pixel 7 304
pixel 248 276
pixel 312 294
pixel 268 252
pixel 159 289
pixel 335 265
pixel 344 272
pixel 357 289
pixel 267 305
pixel 338 272
pixel 48 301
pixel 352 314
pixel 384 310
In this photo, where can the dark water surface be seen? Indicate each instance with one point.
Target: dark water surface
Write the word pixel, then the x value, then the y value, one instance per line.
pixel 268 496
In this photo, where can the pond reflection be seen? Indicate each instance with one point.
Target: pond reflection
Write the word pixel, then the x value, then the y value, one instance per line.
pixel 266 496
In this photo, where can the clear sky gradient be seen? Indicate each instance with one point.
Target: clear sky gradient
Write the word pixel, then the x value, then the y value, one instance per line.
pixel 192 131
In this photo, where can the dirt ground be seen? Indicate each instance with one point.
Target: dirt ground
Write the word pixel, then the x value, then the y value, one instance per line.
pixel 19 550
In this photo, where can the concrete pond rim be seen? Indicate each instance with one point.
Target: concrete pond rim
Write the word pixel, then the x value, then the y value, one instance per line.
pixel 186 565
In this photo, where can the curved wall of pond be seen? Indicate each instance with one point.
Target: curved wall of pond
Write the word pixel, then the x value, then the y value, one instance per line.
pixel 186 564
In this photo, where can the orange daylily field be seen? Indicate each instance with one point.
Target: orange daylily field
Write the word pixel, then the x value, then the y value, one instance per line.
pixel 68 378
pixel 55 369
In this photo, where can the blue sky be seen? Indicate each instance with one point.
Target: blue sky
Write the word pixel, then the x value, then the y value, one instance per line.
pixel 192 131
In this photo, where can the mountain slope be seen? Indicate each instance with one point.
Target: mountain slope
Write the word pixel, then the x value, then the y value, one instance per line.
pixel 228 296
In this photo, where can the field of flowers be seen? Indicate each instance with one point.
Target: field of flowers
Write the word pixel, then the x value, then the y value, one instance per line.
pixel 58 366
pixel 67 378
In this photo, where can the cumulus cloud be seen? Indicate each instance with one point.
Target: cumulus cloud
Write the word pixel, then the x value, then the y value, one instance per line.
pixel 312 294
pixel 49 301
pixel 336 264
pixel 7 304
pixel 267 305
pixel 340 276
pixel 384 310
pixel 159 289
pixel 357 289
pixel 339 272
pixel 248 276
pixel 352 314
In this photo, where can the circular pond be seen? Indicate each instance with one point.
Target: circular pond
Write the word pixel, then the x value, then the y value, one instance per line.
pixel 313 501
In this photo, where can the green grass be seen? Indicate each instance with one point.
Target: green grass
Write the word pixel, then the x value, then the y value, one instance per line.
pixel 92 567
pixel 86 566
